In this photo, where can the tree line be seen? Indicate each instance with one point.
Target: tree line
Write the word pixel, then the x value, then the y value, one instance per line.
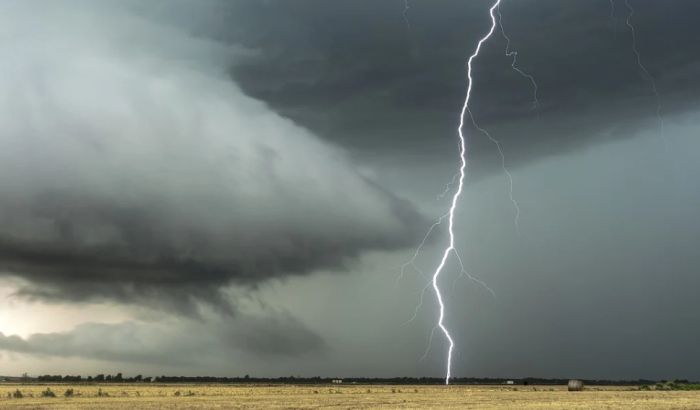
pixel 119 378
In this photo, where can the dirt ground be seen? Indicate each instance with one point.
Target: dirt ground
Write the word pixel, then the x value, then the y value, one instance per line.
pixel 183 396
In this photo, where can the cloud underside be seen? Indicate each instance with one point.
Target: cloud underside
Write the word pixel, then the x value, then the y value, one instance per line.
pixel 175 342
pixel 132 167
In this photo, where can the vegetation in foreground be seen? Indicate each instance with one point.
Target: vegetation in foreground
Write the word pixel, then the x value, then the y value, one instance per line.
pixel 272 396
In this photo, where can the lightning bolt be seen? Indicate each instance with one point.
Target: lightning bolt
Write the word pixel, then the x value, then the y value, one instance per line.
pixel 514 63
pixel 448 188
pixel 412 262
pixel 509 176
pixel 459 177
pixel 406 7
pixel 460 186
pixel 513 54
pixel 642 67
pixel 463 274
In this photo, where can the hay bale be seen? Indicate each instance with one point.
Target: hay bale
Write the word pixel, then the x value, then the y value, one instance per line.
pixel 575 385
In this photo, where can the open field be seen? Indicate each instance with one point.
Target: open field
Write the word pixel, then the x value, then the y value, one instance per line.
pixel 198 396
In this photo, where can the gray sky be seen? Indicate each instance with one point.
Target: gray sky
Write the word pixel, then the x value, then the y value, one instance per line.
pixel 232 188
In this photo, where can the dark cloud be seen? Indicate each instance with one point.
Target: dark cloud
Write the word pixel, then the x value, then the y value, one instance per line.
pixel 133 168
pixel 357 75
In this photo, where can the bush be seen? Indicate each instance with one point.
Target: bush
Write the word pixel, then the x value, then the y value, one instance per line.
pixel 48 393
pixel 17 394
pixel 68 393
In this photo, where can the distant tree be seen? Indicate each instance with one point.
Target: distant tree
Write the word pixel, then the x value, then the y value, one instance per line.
pixel 100 378
pixel 138 378
pixel 118 378
pixel 108 378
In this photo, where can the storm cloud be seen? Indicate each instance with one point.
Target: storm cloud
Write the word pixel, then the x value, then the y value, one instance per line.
pixel 132 167
pixel 186 180
pixel 175 342
pixel 373 83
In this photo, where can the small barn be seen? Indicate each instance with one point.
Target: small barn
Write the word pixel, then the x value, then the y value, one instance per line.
pixel 575 385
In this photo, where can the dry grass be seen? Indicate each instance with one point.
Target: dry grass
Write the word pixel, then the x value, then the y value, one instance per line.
pixel 149 396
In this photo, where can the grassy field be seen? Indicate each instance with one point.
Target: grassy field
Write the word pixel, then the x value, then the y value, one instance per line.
pixel 149 396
